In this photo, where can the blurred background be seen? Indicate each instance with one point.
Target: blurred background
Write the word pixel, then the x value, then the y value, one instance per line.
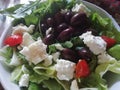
pixel 111 6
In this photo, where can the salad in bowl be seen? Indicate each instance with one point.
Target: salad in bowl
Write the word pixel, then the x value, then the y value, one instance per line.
pixel 60 45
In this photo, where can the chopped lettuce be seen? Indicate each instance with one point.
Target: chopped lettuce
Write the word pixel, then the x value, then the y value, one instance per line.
pixel 64 84
pixel 44 77
pixel 104 26
pixel 6 54
pixel 15 60
pixel 67 44
pixel 115 51
pixel 37 9
pixel 52 49
pixel 77 41
pixel 16 73
pixel 93 80
pixel 112 66
pixel 33 86
pixel 45 71
pixel 36 78
pixel 52 84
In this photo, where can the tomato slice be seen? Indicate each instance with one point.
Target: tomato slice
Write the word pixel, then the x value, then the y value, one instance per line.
pixel 13 40
pixel 82 69
pixel 110 41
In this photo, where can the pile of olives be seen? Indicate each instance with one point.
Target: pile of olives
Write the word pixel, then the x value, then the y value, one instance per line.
pixel 65 26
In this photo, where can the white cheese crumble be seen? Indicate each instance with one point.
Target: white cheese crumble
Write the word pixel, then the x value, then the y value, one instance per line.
pixel 24 80
pixel 56 55
pixel 35 52
pixel 48 60
pixel 65 69
pixel 95 43
pixel 104 57
pixel 59 46
pixel 27 40
pixel 74 85
pixel 81 8
pixel 20 29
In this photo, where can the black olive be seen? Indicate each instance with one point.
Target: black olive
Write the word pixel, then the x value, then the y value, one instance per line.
pixel 62 27
pixel 59 18
pixel 50 22
pixel 84 53
pixel 65 34
pixel 69 54
pixel 81 20
pixel 49 39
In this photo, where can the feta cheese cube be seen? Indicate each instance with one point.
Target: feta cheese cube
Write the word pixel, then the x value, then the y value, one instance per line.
pixel 48 60
pixel 24 80
pixel 95 43
pixel 56 55
pixel 104 57
pixel 65 69
pixel 27 40
pixel 35 52
pixel 81 8
pixel 20 29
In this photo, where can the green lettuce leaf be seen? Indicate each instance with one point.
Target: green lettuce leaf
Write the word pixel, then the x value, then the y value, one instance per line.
pixel 104 26
pixel 6 53
pixel 64 84
pixel 52 49
pixel 45 71
pixel 77 41
pixel 105 67
pixel 93 80
pixel 67 44
pixel 33 86
pixel 52 84
pixel 16 73
pixel 36 78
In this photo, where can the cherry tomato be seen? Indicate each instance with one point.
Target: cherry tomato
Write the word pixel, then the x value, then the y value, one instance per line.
pixel 82 69
pixel 13 40
pixel 110 41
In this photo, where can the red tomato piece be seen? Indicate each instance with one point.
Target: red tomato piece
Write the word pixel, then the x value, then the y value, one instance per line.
pixel 110 41
pixel 13 40
pixel 82 69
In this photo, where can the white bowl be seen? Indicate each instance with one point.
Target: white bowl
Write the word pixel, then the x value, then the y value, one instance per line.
pixel 5 74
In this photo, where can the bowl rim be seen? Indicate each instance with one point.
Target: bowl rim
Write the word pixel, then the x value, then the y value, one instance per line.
pixel 7 84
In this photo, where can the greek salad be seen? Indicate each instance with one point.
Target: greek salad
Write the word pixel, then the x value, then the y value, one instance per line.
pixel 60 45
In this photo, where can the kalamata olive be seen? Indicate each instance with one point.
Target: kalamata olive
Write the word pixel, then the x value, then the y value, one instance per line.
pixel 62 27
pixel 79 19
pixel 44 27
pixel 68 16
pixel 50 22
pixel 59 18
pixel 84 53
pixel 78 31
pixel 69 54
pixel 65 34
pixel 94 32
pixel 49 39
